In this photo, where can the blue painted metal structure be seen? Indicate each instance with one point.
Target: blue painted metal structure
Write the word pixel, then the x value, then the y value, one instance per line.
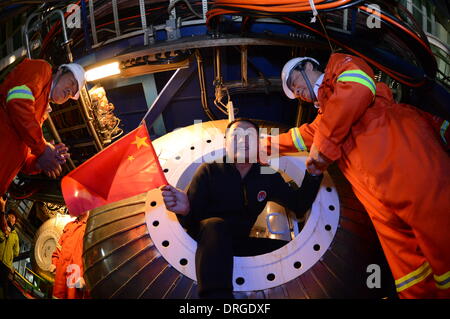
pixel 182 106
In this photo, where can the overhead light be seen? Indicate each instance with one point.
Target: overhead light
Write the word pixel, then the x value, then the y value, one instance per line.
pixel 102 71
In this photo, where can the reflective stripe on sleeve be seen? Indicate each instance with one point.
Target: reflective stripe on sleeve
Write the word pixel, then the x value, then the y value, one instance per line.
pixel 298 140
pixel 358 76
pixel 19 92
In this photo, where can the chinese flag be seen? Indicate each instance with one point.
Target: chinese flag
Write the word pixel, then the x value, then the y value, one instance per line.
pixel 126 168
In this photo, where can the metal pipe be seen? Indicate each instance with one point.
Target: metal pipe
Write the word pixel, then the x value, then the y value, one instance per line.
pixel 200 76
pixel 85 101
pixel 300 111
pixel 172 12
pixel 63 22
pixel 87 41
pixel 201 79
pixel 245 63
pixel 204 9
pixel 143 21
pixel 244 53
pixel 92 18
pixel 217 66
pixel 116 17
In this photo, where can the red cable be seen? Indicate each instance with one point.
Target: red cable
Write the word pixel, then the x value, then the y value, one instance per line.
pixel 128 18
pixel 34 191
pixel 399 26
pixel 396 75
pixel 293 6
pixel 52 32
pixel 272 5
pixel 386 70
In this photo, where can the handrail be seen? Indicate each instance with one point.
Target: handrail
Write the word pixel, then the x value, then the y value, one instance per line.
pixel 28 286
pixel 26 31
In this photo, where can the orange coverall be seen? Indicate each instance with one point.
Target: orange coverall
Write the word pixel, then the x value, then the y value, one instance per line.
pixel 24 97
pixel 68 261
pixel 397 166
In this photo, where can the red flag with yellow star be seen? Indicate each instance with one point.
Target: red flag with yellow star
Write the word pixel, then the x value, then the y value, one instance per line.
pixel 126 168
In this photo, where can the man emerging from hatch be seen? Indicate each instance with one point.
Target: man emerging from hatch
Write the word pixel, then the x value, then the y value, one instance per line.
pixel 223 202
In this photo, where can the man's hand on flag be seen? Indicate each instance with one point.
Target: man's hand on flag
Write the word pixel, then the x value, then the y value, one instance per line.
pixel 175 200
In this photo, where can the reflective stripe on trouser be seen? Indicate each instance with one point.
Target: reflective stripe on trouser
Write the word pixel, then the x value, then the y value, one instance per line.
pixel 413 277
pixel 298 140
pixel 410 268
pixel 442 281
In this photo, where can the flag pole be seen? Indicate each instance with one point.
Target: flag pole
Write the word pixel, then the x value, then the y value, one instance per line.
pixel 159 95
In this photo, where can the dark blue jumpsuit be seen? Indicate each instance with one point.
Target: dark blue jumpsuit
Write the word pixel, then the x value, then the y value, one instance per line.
pixel 224 208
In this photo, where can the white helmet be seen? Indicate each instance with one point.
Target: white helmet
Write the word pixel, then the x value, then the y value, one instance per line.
pixel 292 63
pixel 79 74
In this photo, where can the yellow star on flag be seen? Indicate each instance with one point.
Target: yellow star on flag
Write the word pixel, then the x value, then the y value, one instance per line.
pixel 140 141
pixel 130 158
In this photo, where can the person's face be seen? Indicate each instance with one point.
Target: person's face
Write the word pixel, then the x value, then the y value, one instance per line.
pixel 12 219
pixel 242 143
pixel 65 88
pixel 298 84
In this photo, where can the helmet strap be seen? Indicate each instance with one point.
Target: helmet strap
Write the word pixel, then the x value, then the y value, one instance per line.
pixel 308 84
pixel 54 81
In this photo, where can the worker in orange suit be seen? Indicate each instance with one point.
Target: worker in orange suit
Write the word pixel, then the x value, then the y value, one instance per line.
pixel 67 261
pixel 24 105
pixel 394 156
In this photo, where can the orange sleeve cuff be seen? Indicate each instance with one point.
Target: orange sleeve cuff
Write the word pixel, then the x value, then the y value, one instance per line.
pixel 29 167
pixel 39 148
pixel 327 147
pixel 285 143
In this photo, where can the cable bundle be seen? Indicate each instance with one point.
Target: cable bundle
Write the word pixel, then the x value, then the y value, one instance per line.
pixel 297 12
